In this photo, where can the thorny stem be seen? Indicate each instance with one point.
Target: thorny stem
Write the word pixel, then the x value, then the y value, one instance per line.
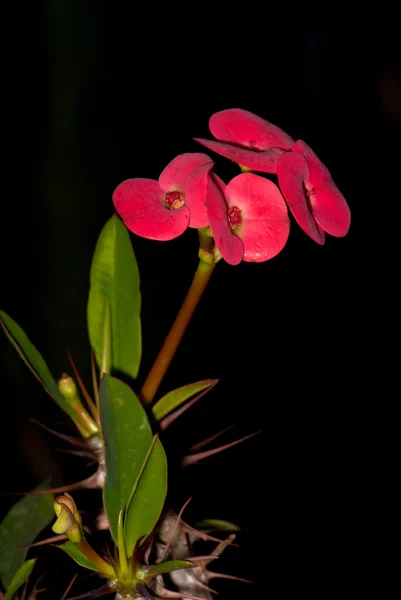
pixel 202 275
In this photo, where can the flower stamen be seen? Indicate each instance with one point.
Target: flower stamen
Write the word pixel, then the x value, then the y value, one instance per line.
pixel 174 200
pixel 234 217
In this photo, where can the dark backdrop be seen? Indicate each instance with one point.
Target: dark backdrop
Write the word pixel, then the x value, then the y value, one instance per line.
pixel 300 344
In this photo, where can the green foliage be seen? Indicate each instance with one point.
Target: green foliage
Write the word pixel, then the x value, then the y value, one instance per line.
pixel 24 521
pixel 79 557
pixel 114 302
pixel 20 577
pixel 128 437
pixel 34 361
pixel 217 525
pixel 147 497
pixel 167 567
pixel 177 397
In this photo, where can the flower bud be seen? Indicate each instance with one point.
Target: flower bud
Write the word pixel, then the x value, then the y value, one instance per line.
pixel 68 519
pixel 67 387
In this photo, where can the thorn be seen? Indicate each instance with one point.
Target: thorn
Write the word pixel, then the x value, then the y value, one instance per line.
pixel 113 560
pixel 84 391
pixel 144 592
pixel 80 453
pixel 165 593
pixel 206 557
pixel 164 423
pixel 64 596
pixel 102 591
pixel 51 540
pixel 203 536
pixel 213 437
pixel 193 458
pixel 24 591
pixel 95 383
pixel 91 483
pixel 75 441
pixel 168 545
pixel 219 549
pixel 33 597
pixel 35 590
pixel 213 575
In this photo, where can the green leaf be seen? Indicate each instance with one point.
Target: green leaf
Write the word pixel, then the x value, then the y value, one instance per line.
pixel 128 437
pixel 114 302
pixel 165 567
pixel 147 498
pixel 24 521
pixel 177 397
pixel 34 361
pixel 20 578
pixel 216 525
pixel 79 557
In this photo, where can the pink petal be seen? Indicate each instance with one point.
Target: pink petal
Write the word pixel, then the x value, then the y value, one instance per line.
pixel 195 193
pixel 140 203
pixel 266 226
pixel 243 128
pixel 266 161
pixel 329 207
pixel 174 175
pixel 292 172
pixel 318 172
pixel 230 246
pixel 331 210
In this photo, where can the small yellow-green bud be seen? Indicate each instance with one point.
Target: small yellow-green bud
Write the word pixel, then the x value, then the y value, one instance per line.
pixel 67 387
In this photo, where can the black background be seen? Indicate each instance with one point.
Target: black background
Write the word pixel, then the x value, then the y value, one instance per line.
pixel 302 345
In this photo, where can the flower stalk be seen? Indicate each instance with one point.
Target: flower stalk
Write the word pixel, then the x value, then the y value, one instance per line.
pixel 173 339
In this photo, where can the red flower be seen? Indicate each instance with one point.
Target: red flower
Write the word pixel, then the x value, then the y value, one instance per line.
pixel 248 218
pixel 247 139
pixel 311 194
pixel 162 210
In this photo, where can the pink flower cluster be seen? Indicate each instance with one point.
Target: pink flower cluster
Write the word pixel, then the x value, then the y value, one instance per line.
pixel 248 217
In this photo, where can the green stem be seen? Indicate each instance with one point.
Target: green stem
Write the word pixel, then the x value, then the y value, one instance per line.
pixel 103 566
pixel 122 554
pixel 171 343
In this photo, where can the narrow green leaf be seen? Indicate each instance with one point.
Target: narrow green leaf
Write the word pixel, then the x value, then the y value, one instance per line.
pixel 165 567
pixel 24 521
pixel 114 302
pixel 217 525
pixel 147 499
pixel 128 437
pixel 79 557
pixel 20 578
pixel 122 554
pixel 33 360
pixel 177 397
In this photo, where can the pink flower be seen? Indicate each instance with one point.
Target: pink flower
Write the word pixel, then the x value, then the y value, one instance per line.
pixel 247 139
pixel 248 218
pixel 314 199
pixel 162 210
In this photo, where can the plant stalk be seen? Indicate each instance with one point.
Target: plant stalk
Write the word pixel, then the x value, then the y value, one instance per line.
pixel 173 339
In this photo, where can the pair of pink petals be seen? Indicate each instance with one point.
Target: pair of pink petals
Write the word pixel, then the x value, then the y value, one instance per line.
pixel 311 194
pixel 187 194
pixel 162 210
